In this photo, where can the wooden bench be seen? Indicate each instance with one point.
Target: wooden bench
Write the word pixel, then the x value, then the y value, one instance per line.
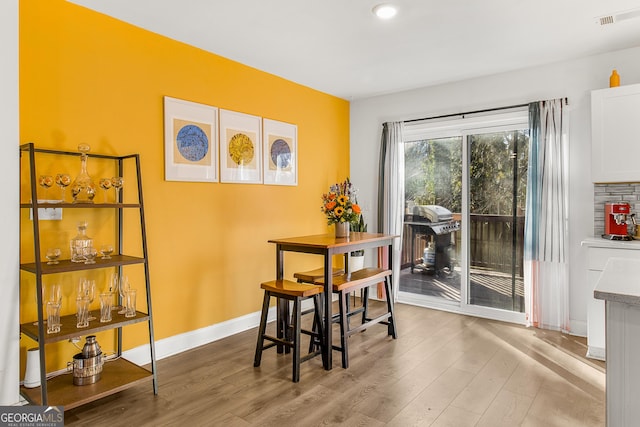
pixel 343 285
pixel 312 276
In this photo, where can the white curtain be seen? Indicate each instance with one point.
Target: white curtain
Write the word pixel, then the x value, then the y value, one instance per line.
pixel 391 196
pixel 546 224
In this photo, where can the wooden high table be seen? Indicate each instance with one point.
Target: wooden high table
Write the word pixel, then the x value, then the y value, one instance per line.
pixel 328 245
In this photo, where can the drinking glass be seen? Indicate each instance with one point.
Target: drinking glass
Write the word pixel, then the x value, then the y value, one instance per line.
pixel 46 181
pixel 130 310
pixel 63 180
pixel 106 305
pixel 117 182
pixel 123 288
pixel 105 184
pixel 54 295
pixel 106 251
pixel 82 315
pixel 53 317
pixel 52 255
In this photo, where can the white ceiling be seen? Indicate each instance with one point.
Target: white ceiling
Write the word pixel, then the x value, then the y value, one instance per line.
pixel 339 47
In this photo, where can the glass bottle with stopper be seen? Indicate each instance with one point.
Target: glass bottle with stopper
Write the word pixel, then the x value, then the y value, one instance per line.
pixel 83 189
pixel 81 245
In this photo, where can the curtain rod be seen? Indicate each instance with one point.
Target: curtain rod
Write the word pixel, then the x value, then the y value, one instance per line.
pixel 486 110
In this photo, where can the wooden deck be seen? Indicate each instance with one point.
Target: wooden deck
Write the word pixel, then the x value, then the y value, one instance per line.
pixel 488 288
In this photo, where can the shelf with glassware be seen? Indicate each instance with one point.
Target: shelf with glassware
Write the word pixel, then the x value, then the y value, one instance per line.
pixel 119 373
pixel 66 265
pixel 69 330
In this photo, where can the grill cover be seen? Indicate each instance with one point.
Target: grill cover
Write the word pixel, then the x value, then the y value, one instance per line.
pixel 433 213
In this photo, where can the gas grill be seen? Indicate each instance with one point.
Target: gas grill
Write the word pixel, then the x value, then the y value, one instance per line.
pixel 437 223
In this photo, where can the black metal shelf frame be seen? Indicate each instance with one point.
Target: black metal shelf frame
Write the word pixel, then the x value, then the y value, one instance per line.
pixel 39 268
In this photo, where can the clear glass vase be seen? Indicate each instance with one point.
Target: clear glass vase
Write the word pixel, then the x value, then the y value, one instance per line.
pixel 82 244
pixel 83 189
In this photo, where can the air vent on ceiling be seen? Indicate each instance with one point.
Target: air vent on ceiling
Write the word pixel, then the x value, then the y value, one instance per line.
pixel 621 16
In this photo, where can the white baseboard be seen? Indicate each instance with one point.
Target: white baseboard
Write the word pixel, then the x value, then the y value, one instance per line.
pixel 578 328
pixel 596 353
pixel 178 343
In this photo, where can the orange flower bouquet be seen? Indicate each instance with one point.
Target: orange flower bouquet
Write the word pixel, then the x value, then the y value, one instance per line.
pixel 340 203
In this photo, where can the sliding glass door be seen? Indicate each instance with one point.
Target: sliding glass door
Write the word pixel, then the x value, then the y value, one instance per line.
pixel 497 189
pixel 465 186
pixel 433 198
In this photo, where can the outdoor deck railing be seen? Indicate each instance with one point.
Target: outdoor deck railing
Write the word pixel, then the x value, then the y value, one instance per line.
pixel 491 243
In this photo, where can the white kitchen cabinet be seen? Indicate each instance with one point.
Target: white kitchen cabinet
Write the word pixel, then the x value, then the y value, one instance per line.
pixel 622 299
pixel 615 134
pixel 599 252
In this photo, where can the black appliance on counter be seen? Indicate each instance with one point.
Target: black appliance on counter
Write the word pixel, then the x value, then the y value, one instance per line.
pixel 438 223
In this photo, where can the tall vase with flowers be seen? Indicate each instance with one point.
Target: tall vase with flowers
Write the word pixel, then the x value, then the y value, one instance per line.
pixel 340 207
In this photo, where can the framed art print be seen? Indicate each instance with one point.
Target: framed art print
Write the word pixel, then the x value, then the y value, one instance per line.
pixel 280 145
pixel 240 147
pixel 190 141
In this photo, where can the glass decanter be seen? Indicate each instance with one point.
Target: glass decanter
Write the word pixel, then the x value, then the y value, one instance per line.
pixel 82 244
pixel 83 189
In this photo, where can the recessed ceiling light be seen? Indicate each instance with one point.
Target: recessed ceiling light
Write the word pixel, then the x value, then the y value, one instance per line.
pixel 385 11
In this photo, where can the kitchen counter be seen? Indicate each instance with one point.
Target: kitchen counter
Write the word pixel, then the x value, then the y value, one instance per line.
pixel 620 281
pixel 599 242
pixel 619 287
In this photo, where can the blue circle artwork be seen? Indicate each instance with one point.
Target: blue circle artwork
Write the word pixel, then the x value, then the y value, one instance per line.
pixel 280 154
pixel 192 142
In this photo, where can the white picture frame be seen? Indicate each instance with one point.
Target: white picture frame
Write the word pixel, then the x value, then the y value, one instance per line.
pixel 280 148
pixel 240 148
pixel 190 141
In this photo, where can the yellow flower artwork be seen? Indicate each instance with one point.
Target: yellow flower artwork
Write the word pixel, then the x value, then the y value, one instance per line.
pixel 241 149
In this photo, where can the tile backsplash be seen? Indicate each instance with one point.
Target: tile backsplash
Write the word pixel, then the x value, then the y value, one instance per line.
pixel 629 192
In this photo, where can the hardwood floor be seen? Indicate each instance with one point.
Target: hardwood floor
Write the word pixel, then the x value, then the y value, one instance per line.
pixel 443 370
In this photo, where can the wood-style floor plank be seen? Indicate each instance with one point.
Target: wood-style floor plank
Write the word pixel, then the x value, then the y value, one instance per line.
pixel 443 370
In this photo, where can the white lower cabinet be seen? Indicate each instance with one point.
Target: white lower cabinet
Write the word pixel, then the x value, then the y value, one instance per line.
pixel 599 251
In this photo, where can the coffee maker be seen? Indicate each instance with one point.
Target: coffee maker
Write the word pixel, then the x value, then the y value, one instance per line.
pixel 617 217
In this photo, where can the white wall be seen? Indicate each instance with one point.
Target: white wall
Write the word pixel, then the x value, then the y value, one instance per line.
pixel 573 79
pixel 9 211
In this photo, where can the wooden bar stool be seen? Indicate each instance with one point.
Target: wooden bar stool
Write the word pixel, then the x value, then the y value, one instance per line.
pixel 295 292
pixel 361 279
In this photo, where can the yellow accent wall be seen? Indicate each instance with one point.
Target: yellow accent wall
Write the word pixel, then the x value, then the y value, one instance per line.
pixel 86 77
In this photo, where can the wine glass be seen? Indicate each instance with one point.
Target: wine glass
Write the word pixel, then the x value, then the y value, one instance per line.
pixel 90 293
pixel 112 284
pixel 81 289
pixel 46 181
pixel 117 182
pixel 105 184
pixel 123 288
pixel 63 180
pixel 52 255
pixel 106 251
